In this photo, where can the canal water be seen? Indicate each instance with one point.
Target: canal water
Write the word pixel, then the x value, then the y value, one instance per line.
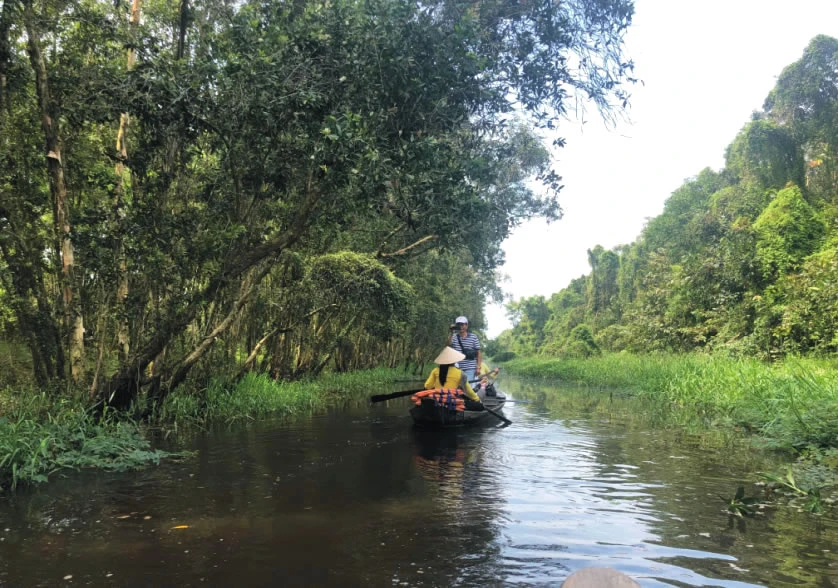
pixel 358 497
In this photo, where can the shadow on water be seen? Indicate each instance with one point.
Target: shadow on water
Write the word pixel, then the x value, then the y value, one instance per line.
pixel 359 497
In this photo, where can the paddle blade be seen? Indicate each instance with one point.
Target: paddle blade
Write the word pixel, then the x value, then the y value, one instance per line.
pixel 497 414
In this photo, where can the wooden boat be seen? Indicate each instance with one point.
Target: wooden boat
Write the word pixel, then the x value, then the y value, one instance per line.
pixel 431 413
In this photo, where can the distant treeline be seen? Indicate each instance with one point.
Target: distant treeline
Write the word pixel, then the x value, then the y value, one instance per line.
pixel 742 261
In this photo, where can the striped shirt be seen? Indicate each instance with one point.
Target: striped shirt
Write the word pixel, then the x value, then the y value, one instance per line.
pixel 470 341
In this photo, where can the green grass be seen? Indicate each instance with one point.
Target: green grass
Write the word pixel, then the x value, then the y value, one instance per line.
pixel 258 396
pixel 41 435
pixel 793 404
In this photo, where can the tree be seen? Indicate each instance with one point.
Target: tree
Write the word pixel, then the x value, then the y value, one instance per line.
pixel 810 311
pixel 266 133
pixel 765 155
pixel 734 262
pixel 602 283
pixel 49 114
pixel 680 228
pixel 805 101
pixel 787 231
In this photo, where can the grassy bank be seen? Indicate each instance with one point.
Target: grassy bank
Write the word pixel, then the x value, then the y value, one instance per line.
pixel 793 405
pixel 258 396
pixel 42 434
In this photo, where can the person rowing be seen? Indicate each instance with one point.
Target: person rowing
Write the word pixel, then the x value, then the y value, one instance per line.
pixel 448 376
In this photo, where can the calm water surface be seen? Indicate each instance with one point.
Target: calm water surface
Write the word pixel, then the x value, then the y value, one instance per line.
pixel 358 497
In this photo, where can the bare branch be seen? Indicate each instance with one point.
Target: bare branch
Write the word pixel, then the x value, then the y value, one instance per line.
pixel 386 239
pixel 408 249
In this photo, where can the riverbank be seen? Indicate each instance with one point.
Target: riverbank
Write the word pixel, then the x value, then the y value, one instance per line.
pixel 793 405
pixel 42 434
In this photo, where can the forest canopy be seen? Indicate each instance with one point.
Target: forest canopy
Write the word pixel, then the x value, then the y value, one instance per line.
pixel 285 186
pixel 742 261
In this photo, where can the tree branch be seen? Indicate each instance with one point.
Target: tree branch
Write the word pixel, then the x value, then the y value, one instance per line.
pixel 384 242
pixel 123 385
pixel 406 250
pixel 247 288
pixel 276 331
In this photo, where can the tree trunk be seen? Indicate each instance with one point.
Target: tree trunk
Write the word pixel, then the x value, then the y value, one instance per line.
pixel 73 321
pixel 35 320
pixel 184 19
pixel 247 288
pixel 5 57
pixel 122 177
pixel 124 386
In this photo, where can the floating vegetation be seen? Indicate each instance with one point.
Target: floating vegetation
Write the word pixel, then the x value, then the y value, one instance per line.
pixel 788 485
pixel 741 505
pixel 32 448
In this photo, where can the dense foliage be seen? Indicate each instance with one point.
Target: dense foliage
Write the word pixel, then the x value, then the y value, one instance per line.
pixel 741 261
pixel 284 186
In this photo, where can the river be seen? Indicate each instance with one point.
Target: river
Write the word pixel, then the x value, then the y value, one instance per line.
pixel 358 497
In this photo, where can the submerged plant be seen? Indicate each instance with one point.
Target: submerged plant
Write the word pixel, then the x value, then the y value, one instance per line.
pixel 813 504
pixel 741 505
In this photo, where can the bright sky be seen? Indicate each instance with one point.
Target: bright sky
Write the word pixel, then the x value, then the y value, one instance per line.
pixel 707 65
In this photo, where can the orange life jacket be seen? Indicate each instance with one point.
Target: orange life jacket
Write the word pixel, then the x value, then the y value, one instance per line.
pixel 448 397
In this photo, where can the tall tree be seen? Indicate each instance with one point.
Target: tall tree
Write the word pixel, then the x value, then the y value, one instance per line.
pixel 73 319
pixel 265 137
pixel 121 185
pixel 355 109
pixel 765 155
pixel 805 101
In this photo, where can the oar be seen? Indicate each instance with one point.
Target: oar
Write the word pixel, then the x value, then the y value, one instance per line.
pixel 497 414
pixel 505 420
pixel 383 397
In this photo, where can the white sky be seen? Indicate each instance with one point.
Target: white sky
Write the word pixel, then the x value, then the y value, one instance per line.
pixel 707 65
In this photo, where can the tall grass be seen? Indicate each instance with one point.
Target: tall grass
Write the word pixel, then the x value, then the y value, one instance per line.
pixel 794 404
pixel 257 396
pixel 40 435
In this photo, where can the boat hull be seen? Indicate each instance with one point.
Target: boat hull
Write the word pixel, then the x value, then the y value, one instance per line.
pixel 428 414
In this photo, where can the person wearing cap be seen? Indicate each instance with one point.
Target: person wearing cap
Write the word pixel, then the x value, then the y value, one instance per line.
pixel 468 344
pixel 447 375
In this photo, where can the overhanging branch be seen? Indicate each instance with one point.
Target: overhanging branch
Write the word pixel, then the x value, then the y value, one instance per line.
pixel 408 249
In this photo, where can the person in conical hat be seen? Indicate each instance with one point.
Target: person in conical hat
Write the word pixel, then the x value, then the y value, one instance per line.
pixel 448 376
pixel 448 356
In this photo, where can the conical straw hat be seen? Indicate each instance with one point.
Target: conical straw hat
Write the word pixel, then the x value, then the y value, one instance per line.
pixel 448 356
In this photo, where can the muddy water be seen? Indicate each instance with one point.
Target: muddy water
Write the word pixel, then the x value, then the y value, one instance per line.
pixel 358 497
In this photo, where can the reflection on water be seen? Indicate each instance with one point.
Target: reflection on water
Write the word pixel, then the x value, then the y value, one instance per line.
pixel 359 497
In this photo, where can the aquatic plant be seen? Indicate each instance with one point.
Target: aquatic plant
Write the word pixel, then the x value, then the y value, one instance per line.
pixel 793 405
pixel 258 395
pixel 814 502
pixel 33 445
pixel 740 504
